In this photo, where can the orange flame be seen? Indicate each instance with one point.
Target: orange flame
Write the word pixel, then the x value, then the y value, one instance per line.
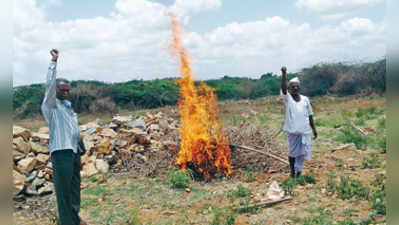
pixel 204 146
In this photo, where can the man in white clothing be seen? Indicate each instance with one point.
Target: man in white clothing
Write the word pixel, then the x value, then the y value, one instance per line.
pixel 298 121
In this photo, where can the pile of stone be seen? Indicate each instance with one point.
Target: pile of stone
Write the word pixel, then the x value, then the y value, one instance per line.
pixel 144 144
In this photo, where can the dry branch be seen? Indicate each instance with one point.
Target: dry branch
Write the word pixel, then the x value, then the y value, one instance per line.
pixel 261 152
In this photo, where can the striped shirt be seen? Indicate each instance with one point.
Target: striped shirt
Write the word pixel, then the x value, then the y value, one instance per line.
pixel 60 117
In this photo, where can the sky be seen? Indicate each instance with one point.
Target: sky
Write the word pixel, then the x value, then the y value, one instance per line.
pixel 121 40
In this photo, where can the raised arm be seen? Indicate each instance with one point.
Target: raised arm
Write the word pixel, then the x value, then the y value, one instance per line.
pixel 51 85
pixel 284 80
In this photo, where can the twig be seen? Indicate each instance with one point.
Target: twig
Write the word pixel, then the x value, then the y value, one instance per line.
pixel 261 152
pixel 341 147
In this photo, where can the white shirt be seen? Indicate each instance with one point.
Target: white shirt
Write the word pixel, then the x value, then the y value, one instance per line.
pixel 297 115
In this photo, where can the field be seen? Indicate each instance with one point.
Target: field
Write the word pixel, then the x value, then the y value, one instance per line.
pixel 340 186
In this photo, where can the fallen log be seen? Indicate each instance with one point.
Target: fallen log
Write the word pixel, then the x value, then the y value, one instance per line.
pixel 266 204
pixel 261 152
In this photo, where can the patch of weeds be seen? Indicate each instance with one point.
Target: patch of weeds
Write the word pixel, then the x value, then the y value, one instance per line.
pixel 382 144
pixel 323 217
pixel 349 212
pixel 312 199
pixel 96 212
pixel 378 201
pixel 235 120
pixel 95 190
pixel 331 184
pixel 223 216
pixel 289 184
pixel 239 192
pixel 379 180
pixel 368 113
pixel 371 161
pixel 340 164
pixel 249 175
pixel 179 179
pixel 348 188
pixel 381 124
pixel 360 121
pixel 134 217
pixel 87 202
pixel 351 135
pixel 245 206
pixel 263 118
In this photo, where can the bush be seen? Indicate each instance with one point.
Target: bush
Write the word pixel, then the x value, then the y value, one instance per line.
pixel 179 179
pixel 371 161
pixel 351 135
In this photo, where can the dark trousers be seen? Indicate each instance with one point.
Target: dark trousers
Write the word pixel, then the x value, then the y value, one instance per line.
pixel 66 169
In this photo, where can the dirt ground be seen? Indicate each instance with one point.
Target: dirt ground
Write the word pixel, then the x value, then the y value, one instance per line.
pixel 126 198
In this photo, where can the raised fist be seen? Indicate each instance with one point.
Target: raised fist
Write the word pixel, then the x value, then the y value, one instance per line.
pixel 54 54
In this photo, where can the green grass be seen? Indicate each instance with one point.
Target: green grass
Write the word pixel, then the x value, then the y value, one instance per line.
pixel 239 192
pixel 289 184
pixel 371 161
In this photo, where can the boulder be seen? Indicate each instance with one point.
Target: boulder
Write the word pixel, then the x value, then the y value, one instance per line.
pixel 31 177
pixel 39 137
pixel 42 158
pixel 89 170
pixel 38 148
pixel 102 166
pixel 108 132
pixel 21 145
pixel 138 123
pixel 48 188
pixel 27 164
pixel 18 131
pixel 121 119
pixel 18 181
pixel 104 146
pixel 16 155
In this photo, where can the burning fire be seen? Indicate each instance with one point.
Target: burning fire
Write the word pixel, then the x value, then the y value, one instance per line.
pixel 204 146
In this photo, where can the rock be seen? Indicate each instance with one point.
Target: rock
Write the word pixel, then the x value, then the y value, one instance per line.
pixel 48 188
pixel 108 132
pixel 121 143
pixel 142 158
pixel 21 145
pixel 88 142
pixel 31 177
pixel 18 181
pixel 41 174
pixel 154 127
pixel 88 170
pixel 31 190
pixel 134 131
pixel 138 123
pixel 163 124
pixel 102 166
pixel 121 119
pixel 113 125
pixel 40 137
pixel 38 148
pixel 188 190
pixel 16 155
pixel 27 164
pixel 91 131
pixel 42 158
pixel 111 159
pixel 92 125
pixel 104 146
pixel 18 131
pixel 43 130
pixel 38 182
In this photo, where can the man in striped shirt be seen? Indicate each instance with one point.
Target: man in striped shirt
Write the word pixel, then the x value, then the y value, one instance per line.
pixel 64 138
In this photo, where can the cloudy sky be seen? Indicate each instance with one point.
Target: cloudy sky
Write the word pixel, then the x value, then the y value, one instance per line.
pixel 120 40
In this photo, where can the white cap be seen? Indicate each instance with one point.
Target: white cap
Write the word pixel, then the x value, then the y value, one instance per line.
pixel 294 80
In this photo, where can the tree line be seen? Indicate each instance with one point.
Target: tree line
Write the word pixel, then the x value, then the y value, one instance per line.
pixel 339 79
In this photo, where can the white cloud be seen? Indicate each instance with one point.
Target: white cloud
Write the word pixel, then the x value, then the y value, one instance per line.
pixel 183 8
pixel 327 5
pixel 132 43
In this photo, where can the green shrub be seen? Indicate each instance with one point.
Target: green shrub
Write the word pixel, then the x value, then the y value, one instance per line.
pixel 249 175
pixel 351 135
pixel 223 216
pixel 378 201
pixel 348 188
pixel 179 179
